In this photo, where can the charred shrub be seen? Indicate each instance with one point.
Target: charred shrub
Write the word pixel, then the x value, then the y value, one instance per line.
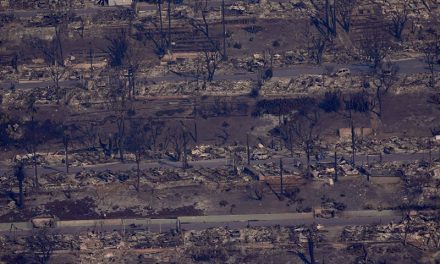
pixel 331 102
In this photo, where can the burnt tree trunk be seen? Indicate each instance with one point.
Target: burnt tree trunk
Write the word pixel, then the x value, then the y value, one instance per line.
pixel 169 25
pixel 34 154
pixel 66 151
pixel 91 59
pixel 225 56
pixel 67 157
pixel 59 43
pixel 138 172
pixel 196 135
pixel 311 247
pixel 353 140
pixel 308 153
pixel 185 157
pixel 21 195
pixel 19 173
pixel 159 4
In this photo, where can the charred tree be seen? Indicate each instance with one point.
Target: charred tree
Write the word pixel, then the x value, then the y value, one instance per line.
pixel 30 139
pixel 375 47
pixel 399 18
pixel 120 107
pixel 384 79
pixel 202 26
pixel 304 126
pixel 431 53
pixel 344 10
pixel 116 49
pixel 355 103
pixel 66 141
pixel 169 26
pixel 323 16
pixel 42 245
pixel 139 140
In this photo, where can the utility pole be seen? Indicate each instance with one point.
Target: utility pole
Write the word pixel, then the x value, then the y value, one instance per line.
pixel 195 131
pixel 430 154
pixel 33 146
pixel 248 150
pixel 281 177
pixel 353 140
pixel 336 166
pixel 185 158
pixel 66 139
pixel 178 229
pixel 196 134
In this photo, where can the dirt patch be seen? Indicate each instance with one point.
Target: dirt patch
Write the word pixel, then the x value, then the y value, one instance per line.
pixel 72 210
pixel 18 216
pixel 181 211
pixel 126 213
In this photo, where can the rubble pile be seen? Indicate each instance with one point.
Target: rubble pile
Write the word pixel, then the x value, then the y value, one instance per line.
pixel 76 159
pixel 285 9
pixel 215 175
pixel 88 178
pixel 207 152
pixel 156 175
pixel 87 241
pixel 420 229
pixel 145 239
pixel 112 16
pixel 28 159
pixel 270 169
pixel 58 241
pixel 332 204
pixel 221 236
pixel 88 158
pixel 6 182
pixel 193 86
pixel 7 73
pixel 370 233
pixel 229 88
pixel 391 145
pixel 317 84
pixel 347 169
pixel 102 240
pixel 156 89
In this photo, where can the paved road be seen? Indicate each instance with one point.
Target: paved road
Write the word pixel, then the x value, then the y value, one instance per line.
pixel 406 67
